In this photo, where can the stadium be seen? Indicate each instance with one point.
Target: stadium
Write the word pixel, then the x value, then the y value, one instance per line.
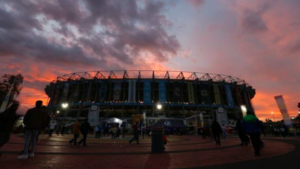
pixel 117 96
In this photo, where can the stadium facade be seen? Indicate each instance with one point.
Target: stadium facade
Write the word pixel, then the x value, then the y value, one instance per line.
pixel 189 96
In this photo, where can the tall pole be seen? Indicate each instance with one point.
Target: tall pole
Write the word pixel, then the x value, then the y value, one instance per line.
pixel 273 116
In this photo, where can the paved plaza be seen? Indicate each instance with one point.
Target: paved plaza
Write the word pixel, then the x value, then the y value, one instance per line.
pixel 181 152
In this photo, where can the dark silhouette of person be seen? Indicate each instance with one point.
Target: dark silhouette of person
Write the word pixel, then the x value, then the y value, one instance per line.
pixel 252 126
pixel 76 132
pixel 63 128
pixel 242 135
pixel 84 128
pixel 7 120
pixel 217 131
pixel 135 133
pixel 35 120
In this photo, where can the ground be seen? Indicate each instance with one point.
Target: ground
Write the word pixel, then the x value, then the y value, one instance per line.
pixel 181 152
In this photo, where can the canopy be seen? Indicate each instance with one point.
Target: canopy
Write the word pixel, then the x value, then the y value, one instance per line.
pixel 165 123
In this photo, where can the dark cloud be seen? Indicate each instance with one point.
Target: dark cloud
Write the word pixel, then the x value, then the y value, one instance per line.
pixel 87 32
pixel 252 20
pixel 196 3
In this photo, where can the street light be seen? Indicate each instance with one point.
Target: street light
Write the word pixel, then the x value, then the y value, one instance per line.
pixel 64 105
pixel 273 116
pixel 244 110
pixel 57 111
pixel 159 106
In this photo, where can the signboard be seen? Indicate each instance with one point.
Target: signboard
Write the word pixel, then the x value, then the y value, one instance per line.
pixel 93 115
pixel 137 118
pixel 222 116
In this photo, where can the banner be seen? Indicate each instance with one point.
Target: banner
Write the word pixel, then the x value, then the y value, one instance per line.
pixel 162 91
pixel 103 90
pixel 222 116
pixel 177 92
pixel 217 94
pixel 76 93
pixel 56 95
pixel 230 101
pixel 131 91
pixel 204 94
pixel 93 115
pixel 117 91
pixel 238 96
pixel 147 92
pixel 247 99
pixel 201 119
pixel 283 110
pixel 191 92
pixel 89 91
pixel 6 99
pixel 65 93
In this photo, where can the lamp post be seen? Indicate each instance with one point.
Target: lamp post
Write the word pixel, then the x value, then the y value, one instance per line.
pixel 273 116
pixel 64 106
pixel 159 107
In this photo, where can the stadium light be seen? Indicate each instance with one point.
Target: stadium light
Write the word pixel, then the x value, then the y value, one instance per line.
pixel 244 110
pixel 64 105
pixel 158 106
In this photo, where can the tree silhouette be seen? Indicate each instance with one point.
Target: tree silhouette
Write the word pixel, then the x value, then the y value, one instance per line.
pixel 6 81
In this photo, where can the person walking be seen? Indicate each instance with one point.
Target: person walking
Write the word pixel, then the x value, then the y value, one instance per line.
pixel 98 130
pixel 7 120
pixel 76 132
pixel 51 127
pixel 224 134
pixel 217 131
pixel 34 120
pixel 84 128
pixel 242 135
pixel 135 133
pixel 282 131
pixel 58 130
pixel 63 128
pixel 252 126
pixel 124 130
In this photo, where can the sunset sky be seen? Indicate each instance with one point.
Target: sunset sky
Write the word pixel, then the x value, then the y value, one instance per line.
pixel 257 40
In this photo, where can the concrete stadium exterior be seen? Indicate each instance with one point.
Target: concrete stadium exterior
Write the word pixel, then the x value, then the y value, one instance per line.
pixel 190 96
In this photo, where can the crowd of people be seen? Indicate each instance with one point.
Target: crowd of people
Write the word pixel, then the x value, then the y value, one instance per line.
pixel 37 119
pixel 248 129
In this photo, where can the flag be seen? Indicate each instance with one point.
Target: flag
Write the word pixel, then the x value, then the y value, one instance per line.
pixel 283 110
